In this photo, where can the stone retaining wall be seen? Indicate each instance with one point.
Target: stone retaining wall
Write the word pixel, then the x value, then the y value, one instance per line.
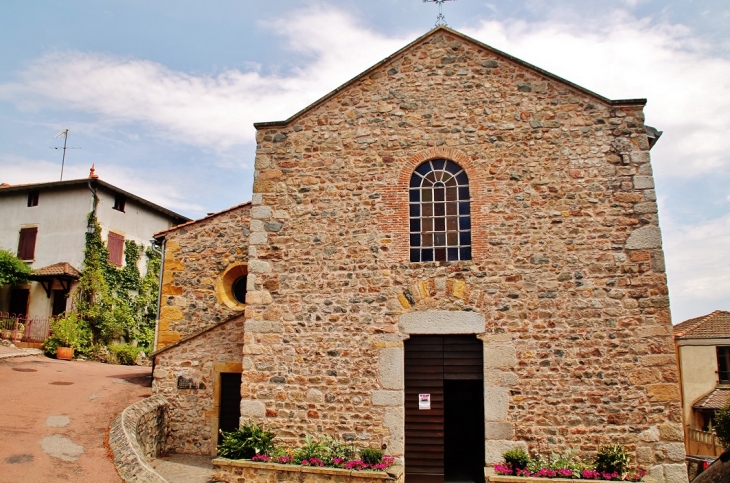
pixel 137 435
pixel 238 471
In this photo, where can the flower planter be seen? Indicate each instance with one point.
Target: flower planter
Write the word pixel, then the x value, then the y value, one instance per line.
pixel 231 471
pixel 5 334
pixel 64 353
pixel 530 479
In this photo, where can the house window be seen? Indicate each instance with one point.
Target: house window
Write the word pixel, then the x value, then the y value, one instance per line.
pixel 33 198
pixel 115 243
pixel 440 212
pixel 239 289
pixel 119 201
pixel 723 364
pixel 26 243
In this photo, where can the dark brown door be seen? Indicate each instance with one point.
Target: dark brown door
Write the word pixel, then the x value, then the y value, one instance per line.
pixel 59 302
pixel 229 406
pixel 19 301
pixel 447 440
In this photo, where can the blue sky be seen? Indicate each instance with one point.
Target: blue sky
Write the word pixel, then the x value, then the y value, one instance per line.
pixel 162 95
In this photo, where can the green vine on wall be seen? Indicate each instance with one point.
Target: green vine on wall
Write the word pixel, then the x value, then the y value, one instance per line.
pixel 117 304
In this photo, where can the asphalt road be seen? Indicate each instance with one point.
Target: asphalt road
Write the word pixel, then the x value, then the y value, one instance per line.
pixel 55 416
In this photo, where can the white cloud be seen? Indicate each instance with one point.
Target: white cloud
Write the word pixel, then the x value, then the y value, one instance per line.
pixel 210 111
pixel 698 261
pixel 18 170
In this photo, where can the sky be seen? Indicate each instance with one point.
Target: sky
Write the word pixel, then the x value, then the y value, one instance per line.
pixel 161 96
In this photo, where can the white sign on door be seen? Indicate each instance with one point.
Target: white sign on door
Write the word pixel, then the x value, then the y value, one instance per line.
pixel 424 401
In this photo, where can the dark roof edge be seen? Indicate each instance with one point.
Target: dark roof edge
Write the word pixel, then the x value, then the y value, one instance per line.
pixel 99 182
pixel 163 233
pixel 191 337
pixel 326 97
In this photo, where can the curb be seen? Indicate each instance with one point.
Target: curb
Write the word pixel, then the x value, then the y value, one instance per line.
pixel 25 353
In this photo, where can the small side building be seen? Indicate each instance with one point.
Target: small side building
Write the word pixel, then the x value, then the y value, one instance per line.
pixel 703 356
pixel 199 340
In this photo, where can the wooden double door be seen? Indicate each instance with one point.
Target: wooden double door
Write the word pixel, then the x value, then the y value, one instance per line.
pixel 444 406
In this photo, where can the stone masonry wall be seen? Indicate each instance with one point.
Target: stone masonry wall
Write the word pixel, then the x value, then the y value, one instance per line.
pixel 567 270
pixel 192 414
pixel 197 255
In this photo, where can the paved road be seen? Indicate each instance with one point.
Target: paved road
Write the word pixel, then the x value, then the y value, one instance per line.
pixel 55 416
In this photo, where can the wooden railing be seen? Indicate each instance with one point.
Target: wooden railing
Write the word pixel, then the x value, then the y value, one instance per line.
pixel 703 442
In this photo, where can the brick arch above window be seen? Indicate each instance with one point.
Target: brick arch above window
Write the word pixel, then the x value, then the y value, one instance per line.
pixel 396 199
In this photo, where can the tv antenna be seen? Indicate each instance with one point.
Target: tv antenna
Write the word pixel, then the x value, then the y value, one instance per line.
pixel 440 20
pixel 63 133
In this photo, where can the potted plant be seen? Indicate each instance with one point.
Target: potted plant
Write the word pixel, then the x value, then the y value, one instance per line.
pixel 67 332
pixel 17 333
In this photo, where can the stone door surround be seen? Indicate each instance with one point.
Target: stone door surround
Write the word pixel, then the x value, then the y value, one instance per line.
pixel 500 358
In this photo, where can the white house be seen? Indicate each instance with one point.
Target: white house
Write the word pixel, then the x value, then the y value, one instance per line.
pixel 45 225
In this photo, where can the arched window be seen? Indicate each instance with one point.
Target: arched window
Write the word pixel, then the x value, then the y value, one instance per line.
pixel 440 215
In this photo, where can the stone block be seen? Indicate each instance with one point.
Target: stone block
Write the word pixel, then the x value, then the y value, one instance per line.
pixel 644 238
pixel 251 408
pixel 643 182
pixel 263 326
pixel 258 298
pixel 387 398
pixel 394 422
pixel 673 451
pixel 649 435
pixel 493 449
pixel 258 238
pixel 669 473
pixel 261 212
pixel 390 365
pixel 442 322
pixel 315 396
pixel 671 432
pixel 259 266
pixel 494 430
pixel 496 403
pixel 663 392
pixel 503 356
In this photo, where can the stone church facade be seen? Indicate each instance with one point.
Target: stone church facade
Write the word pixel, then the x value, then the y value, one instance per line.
pixel 449 197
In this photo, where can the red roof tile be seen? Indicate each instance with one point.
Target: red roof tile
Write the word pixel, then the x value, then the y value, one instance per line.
pixel 711 326
pixel 715 399
pixel 57 269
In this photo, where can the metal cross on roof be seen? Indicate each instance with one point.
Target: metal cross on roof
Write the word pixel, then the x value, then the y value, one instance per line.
pixel 440 20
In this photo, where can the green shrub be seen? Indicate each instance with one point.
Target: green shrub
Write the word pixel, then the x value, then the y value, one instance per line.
pixel 338 449
pixel 13 270
pixel 246 442
pixel 313 449
pixel 722 425
pixel 516 458
pixel 124 354
pixel 612 458
pixel 68 331
pixel 371 456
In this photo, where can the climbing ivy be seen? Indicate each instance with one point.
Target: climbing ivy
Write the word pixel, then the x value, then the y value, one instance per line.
pixel 117 304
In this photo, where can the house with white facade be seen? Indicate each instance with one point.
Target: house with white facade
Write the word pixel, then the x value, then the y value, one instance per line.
pixel 45 225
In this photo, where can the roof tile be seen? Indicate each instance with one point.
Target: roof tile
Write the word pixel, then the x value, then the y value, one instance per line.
pixel 711 326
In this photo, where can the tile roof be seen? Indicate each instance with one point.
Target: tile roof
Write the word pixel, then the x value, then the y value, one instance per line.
pixel 711 326
pixel 56 270
pixel 715 399
pixel 161 234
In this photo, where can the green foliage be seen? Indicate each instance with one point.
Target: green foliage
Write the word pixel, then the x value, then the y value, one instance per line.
pixel 371 456
pixel 516 458
pixel 118 304
pixel 13 270
pixel 124 354
pixel 338 449
pixel 612 458
pixel 565 461
pixel 313 448
pixel 246 442
pixel 722 425
pixel 70 331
